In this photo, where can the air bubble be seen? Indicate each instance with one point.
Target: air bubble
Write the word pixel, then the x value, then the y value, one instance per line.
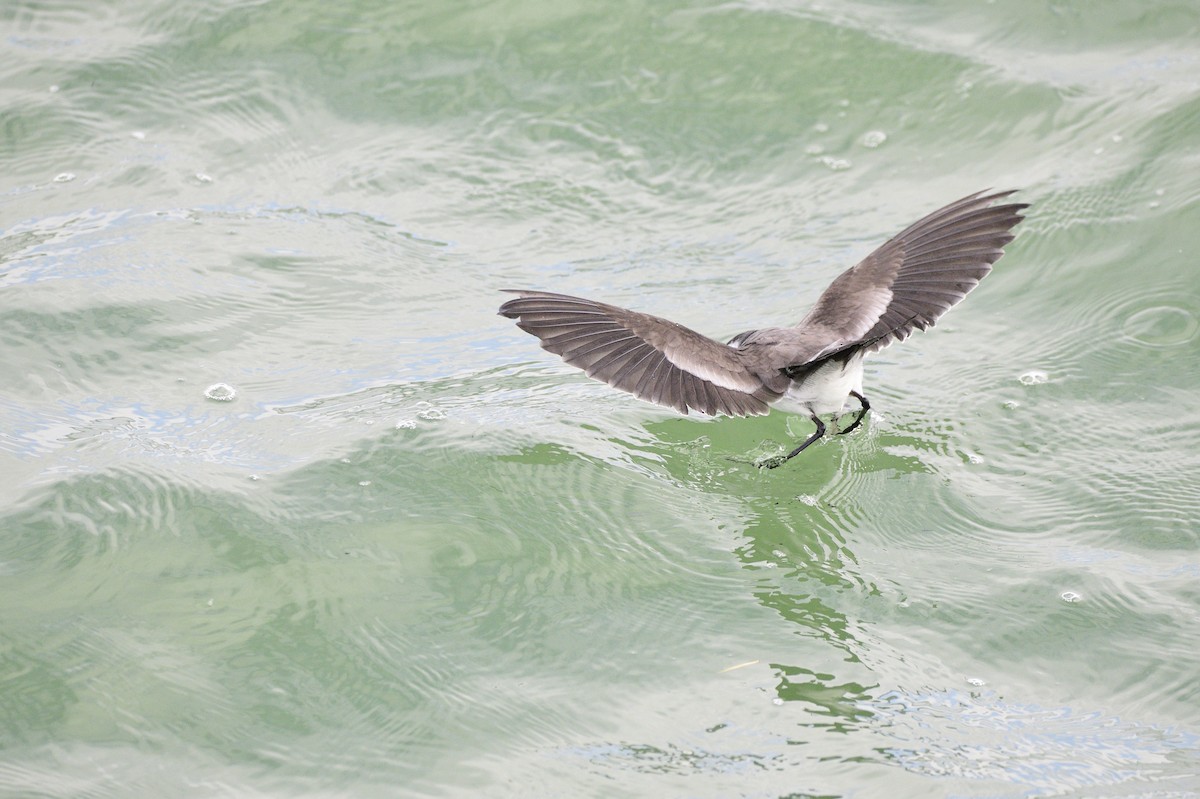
pixel 406 424
pixel 64 177
pixel 427 410
pixel 1070 596
pixel 203 177
pixel 221 392
pixel 873 138
pixel 976 682
pixel 1034 377
pixel 836 164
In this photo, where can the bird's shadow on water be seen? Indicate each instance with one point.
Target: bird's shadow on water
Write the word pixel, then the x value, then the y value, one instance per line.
pixel 800 522
pixel 746 455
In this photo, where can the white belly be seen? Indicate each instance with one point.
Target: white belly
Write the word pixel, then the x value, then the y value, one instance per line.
pixel 825 391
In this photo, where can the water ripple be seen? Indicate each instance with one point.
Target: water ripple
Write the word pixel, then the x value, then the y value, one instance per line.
pixel 984 738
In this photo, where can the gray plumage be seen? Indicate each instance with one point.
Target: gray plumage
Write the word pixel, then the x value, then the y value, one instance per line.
pixel 905 285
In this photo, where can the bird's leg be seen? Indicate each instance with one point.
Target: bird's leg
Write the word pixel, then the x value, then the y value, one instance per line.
pixel 866 406
pixel 820 432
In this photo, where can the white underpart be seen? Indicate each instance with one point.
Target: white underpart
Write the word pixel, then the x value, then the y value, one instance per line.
pixel 826 390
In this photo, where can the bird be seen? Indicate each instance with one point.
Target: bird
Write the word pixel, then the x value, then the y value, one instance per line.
pixel 812 367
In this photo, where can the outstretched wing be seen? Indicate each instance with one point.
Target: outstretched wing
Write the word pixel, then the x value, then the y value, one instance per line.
pixel 918 275
pixel 652 358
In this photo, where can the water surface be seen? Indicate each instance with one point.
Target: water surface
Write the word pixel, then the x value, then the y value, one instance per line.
pixel 415 555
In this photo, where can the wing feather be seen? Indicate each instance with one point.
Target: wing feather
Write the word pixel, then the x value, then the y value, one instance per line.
pixel 917 275
pixel 652 358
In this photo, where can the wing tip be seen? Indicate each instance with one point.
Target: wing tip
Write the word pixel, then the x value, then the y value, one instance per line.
pixel 1014 208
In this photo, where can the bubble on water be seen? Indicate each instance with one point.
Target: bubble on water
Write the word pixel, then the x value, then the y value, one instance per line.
pixel 873 138
pixel 204 177
pixel 364 483
pixel 139 135
pixel 1070 596
pixel 1098 151
pixel 1034 377
pixel 1159 192
pixel 1010 405
pixel 808 499
pixel 221 392
pixel 255 477
pixel 836 164
pixel 1117 137
pixel 777 701
pixel 844 103
pixel 427 410
pixel 814 149
pixel 976 682
pixel 54 88
pixel 821 127
pixel 64 177
pixel 406 424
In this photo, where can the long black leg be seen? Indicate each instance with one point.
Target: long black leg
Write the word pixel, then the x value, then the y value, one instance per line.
pixel 866 406
pixel 820 432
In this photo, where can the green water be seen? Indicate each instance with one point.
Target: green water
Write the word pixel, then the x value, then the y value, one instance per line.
pixel 418 556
